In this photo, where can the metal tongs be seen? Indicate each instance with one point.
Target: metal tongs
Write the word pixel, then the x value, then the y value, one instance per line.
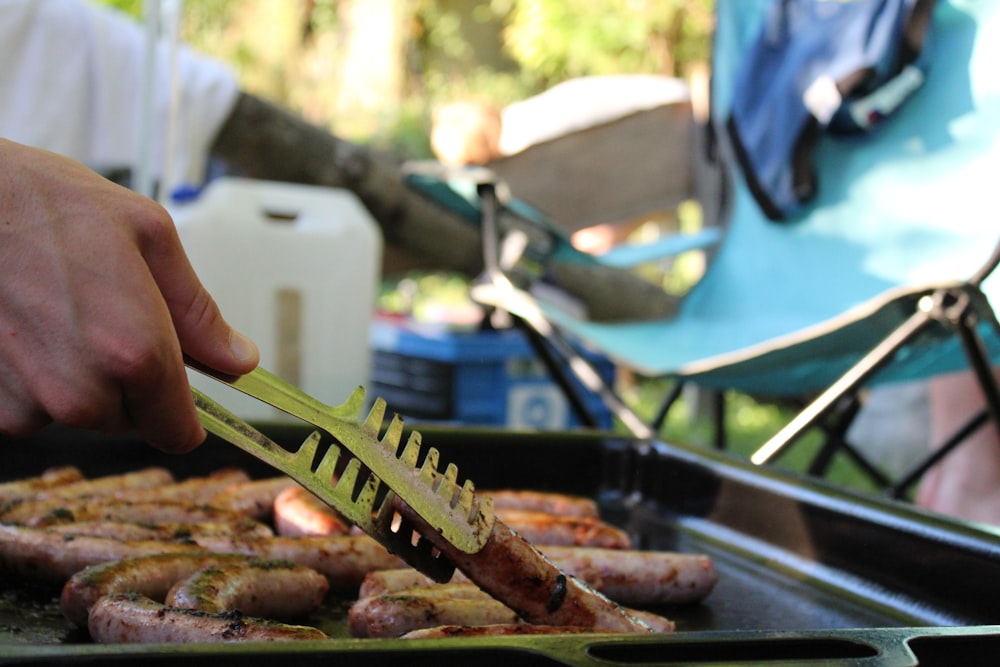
pixel 362 485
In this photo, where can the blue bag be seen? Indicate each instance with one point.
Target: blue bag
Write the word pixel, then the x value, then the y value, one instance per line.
pixel 817 65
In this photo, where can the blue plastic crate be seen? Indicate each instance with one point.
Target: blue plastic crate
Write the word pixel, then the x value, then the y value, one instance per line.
pixel 485 377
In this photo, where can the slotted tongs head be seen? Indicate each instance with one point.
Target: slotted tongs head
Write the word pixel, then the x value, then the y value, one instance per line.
pixel 362 482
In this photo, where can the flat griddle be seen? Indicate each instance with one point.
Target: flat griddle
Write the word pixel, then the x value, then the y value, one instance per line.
pixel 808 574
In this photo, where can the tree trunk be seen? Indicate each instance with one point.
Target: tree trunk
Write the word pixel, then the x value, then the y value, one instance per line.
pixel 264 141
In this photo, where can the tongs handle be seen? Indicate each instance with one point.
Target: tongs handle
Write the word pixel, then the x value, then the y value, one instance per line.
pixel 269 388
pixel 219 421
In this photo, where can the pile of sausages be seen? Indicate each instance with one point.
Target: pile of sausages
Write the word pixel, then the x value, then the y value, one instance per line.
pixel 144 557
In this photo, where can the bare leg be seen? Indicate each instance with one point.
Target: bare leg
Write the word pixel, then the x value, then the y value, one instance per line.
pixel 966 484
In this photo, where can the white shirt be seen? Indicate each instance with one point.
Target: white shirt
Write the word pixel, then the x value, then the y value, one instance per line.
pixel 71 76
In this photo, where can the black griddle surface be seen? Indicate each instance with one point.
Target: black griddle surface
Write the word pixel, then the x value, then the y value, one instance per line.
pixel 807 574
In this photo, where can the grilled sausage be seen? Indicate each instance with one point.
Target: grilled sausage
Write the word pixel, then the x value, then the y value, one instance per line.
pixel 47 556
pixel 30 487
pixel 542 518
pixel 253 587
pixel 169 531
pixel 514 572
pixel 539 501
pixel 542 529
pixel 298 513
pixel 110 484
pixel 254 499
pixel 152 576
pixel 634 578
pixel 395 614
pixel 381 582
pixel 193 491
pixel 640 578
pixel 343 559
pixel 133 619
pixel 40 513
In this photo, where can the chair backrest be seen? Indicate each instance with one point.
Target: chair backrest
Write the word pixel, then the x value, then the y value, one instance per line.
pixel 911 203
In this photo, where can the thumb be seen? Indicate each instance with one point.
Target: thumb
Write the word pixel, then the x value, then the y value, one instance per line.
pixel 206 337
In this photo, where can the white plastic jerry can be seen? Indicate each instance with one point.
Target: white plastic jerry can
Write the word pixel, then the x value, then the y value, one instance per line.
pixel 294 267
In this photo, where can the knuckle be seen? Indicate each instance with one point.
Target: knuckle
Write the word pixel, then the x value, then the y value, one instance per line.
pixel 154 225
pixel 139 360
pixel 72 407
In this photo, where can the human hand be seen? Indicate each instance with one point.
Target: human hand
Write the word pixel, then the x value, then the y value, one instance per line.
pixel 98 305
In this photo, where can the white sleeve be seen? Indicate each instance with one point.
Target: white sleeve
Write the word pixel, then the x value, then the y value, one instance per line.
pixel 71 76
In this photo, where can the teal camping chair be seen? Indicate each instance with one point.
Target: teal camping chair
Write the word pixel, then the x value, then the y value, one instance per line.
pixel 481 198
pixel 886 274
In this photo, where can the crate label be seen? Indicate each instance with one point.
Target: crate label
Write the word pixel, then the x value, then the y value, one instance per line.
pixel 536 406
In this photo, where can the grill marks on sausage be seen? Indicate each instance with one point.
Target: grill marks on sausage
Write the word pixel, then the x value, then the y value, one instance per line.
pixel 133 618
pixel 397 614
pixel 514 572
pixel 18 490
pixel 253 587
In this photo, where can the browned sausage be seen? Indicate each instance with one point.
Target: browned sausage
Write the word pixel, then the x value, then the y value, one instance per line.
pixel 47 556
pixel 343 559
pixel 253 587
pixel 152 576
pixel 634 578
pixel 448 604
pixel 134 619
pixel 542 529
pixel 395 614
pixel 381 582
pixel 640 578
pixel 169 531
pixel 30 487
pixel 42 513
pixel 514 572
pixel 541 501
pixel 110 484
pixel 254 499
pixel 193 491
pixel 298 513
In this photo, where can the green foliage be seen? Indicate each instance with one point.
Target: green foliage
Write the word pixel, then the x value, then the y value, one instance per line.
pixel 557 39
pixel 458 52
pixel 497 51
pixel 200 16
pixel 130 7
pixel 749 424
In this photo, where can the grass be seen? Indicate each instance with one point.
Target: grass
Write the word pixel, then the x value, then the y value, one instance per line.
pixel 749 425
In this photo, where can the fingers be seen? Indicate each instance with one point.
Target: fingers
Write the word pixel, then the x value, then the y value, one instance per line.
pixel 137 356
pixel 163 413
pixel 161 406
pixel 98 305
pixel 203 333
